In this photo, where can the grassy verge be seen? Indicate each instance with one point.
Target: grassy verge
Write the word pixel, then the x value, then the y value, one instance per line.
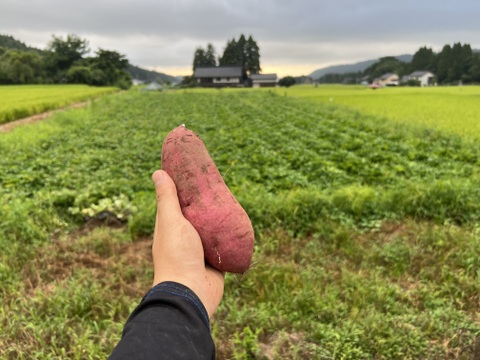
pixel 25 100
pixel 367 239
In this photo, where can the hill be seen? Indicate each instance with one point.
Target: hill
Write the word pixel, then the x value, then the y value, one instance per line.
pixel 151 76
pixel 351 68
pixel 9 42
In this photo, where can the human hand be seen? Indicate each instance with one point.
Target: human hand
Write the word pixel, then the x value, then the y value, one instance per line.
pixel 177 249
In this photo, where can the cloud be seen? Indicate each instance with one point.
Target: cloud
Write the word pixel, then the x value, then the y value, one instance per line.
pixel 165 33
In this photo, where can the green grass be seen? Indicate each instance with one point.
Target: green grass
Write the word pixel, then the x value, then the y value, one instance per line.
pixel 367 238
pixel 25 100
pixel 449 109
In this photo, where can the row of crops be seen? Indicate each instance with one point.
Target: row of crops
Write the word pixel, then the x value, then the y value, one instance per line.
pixel 367 234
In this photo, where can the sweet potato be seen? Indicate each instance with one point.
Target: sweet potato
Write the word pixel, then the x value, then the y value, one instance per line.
pixel 223 225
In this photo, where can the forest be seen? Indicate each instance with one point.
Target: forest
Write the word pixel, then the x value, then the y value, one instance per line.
pixel 63 61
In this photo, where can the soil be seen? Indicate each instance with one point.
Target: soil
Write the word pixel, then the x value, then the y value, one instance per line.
pixel 34 118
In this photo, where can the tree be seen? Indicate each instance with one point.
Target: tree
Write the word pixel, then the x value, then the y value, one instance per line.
pixel 188 81
pixel 62 54
pixel 112 64
pixel 240 51
pixel 252 56
pixel 445 63
pixel 455 64
pixel 210 57
pixel 423 59
pixel 204 57
pixel 461 58
pixel 244 52
pixel 474 70
pixel 21 67
pixel 79 74
pixel 345 78
pixel 199 58
pixel 229 56
pixel 108 68
pixel 287 81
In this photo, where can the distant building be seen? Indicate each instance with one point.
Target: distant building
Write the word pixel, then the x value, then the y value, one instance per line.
pixel 263 80
pixel 425 78
pixel 220 76
pixel 389 80
pixel 136 82
pixel 364 80
pixel 153 87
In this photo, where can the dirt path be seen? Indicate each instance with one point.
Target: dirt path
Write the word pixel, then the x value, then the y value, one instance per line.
pixel 34 118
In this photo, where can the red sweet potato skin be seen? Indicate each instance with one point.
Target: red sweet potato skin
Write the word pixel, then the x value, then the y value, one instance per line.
pixel 223 225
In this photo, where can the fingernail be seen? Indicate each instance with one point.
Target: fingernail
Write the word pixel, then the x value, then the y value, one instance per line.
pixel 158 178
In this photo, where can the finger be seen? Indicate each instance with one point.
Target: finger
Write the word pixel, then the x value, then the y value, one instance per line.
pixel 168 205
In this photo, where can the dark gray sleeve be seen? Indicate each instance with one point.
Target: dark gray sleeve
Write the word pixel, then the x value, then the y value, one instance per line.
pixel 169 323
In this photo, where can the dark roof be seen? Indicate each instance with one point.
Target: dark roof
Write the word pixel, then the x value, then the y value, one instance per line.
pixel 272 77
pixel 218 72
pixel 387 75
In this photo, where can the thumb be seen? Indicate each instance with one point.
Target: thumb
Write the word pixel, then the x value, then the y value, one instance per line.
pixel 168 206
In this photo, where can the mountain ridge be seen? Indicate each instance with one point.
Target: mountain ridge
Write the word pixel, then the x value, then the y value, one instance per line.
pixel 144 75
pixel 354 67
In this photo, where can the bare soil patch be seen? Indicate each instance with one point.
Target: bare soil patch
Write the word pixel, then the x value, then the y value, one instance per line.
pixel 102 254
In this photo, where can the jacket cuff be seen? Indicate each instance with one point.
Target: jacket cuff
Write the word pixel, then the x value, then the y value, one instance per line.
pixel 177 289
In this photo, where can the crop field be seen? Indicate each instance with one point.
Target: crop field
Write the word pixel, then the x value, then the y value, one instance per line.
pixel 453 109
pixel 25 100
pixel 367 233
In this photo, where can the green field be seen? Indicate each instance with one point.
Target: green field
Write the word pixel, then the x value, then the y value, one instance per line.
pixel 367 237
pixel 448 109
pixel 19 101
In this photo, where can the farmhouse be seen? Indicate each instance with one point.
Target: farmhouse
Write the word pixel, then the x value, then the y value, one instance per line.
pixel 389 80
pixel 425 78
pixel 220 76
pixel 263 80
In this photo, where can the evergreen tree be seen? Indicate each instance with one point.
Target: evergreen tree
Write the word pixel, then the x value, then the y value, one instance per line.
pixel 455 64
pixel 244 52
pixel 445 63
pixel 210 59
pixel 230 54
pixel 460 58
pixel 474 70
pixel 423 59
pixel 199 58
pixel 465 62
pixel 240 51
pixel 204 57
pixel 252 56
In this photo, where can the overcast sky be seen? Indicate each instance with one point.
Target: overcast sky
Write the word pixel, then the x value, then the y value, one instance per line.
pixel 295 36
